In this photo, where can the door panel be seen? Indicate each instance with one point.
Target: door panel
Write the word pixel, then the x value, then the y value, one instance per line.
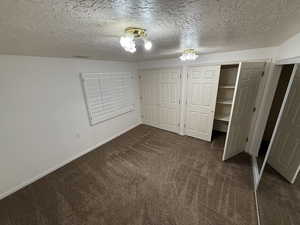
pixel 160 94
pixel 149 98
pixel 150 115
pixel 169 84
pixel 197 123
pixel 202 87
pixel 248 80
pixel 284 149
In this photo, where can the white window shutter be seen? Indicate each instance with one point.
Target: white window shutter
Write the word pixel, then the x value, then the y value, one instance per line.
pixel 107 95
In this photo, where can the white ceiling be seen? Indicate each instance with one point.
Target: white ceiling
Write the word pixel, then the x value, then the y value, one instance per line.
pixel 66 28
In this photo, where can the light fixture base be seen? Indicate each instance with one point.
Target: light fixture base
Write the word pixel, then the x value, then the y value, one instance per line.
pixel 190 51
pixel 189 54
pixel 136 32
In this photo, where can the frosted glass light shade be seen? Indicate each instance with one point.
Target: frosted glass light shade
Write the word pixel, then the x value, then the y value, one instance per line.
pixel 148 45
pixel 127 42
pixel 189 54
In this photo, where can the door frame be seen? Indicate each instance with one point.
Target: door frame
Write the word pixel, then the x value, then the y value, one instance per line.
pixel 276 127
pixel 273 75
pixel 271 85
pixel 263 105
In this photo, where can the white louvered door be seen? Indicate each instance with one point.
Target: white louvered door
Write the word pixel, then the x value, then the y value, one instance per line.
pixel 160 95
pixel 202 91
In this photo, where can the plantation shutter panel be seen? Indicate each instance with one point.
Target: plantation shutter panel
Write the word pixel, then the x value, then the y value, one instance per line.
pixel 107 95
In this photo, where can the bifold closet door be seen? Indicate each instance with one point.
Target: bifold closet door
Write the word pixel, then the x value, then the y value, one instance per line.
pixel 169 99
pixel 149 97
pixel 202 88
pixel 160 95
pixel 247 85
pixel 284 149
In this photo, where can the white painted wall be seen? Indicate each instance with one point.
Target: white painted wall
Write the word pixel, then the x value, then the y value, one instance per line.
pixel 214 58
pixel 289 49
pixel 43 119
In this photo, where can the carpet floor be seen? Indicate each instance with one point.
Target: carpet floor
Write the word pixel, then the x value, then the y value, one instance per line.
pixel 283 197
pixel 146 176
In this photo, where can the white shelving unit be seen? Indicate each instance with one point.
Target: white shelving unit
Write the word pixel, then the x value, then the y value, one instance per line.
pixel 226 89
pixel 224 101
pixel 227 86
pixel 222 118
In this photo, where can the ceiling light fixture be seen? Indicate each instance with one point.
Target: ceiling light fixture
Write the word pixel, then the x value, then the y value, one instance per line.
pixel 131 35
pixel 189 54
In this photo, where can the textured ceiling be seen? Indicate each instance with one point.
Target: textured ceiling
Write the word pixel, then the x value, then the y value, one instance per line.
pixel 66 28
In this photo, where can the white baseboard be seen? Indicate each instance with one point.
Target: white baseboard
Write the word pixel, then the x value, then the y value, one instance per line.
pixel 30 181
pixel 257 208
pixel 255 174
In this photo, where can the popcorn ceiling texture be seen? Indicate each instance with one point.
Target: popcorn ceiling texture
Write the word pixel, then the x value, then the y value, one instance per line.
pixel 66 28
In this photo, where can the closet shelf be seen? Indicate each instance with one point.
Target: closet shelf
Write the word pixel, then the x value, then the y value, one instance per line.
pixel 222 118
pixel 225 101
pixel 227 86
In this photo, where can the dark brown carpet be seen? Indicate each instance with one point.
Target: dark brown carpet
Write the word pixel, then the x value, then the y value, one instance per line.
pixel 145 177
pixel 278 200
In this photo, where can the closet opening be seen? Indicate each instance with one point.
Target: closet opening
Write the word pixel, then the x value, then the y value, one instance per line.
pixel 277 101
pixel 227 85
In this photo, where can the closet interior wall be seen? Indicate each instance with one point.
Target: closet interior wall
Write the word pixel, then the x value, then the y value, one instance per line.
pixel 227 84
